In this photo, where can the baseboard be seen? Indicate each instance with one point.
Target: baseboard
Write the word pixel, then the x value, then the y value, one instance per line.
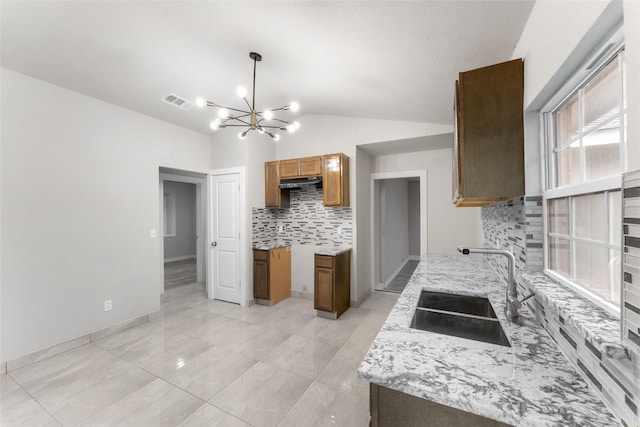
pixel 363 297
pixel 54 350
pixel 180 258
pixel 413 258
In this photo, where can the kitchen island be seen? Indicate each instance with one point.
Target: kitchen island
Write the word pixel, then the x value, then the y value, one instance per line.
pixel 530 383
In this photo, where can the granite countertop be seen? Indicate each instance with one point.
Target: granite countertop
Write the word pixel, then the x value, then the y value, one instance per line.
pixel 530 383
pixel 270 245
pixel 332 250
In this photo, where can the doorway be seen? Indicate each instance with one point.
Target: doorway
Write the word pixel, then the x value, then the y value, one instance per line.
pixel 182 227
pixel 399 222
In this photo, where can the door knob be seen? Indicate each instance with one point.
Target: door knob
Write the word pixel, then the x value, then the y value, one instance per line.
pixel 214 244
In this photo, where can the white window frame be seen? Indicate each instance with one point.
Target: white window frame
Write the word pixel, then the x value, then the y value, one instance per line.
pixel 612 47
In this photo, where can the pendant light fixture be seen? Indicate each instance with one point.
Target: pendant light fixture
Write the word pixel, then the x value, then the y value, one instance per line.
pixel 263 121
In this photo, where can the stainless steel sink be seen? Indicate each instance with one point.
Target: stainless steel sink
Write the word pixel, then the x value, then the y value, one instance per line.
pixel 459 316
pixel 478 306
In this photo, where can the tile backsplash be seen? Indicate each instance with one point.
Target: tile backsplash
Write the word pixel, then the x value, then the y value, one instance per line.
pixel 306 222
pixel 610 370
pixel 517 225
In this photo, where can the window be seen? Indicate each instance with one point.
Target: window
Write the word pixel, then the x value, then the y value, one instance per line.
pixel 585 145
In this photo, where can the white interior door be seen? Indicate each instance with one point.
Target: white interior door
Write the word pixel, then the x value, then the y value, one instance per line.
pixel 225 237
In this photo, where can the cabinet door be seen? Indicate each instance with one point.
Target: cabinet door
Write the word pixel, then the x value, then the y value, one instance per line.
pixel 336 180
pixel 289 168
pixel 311 166
pixel 271 183
pixel 323 289
pixel 491 133
pixel 261 279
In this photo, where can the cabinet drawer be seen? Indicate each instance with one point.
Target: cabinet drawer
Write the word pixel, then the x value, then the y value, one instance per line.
pixel 260 255
pixel 324 261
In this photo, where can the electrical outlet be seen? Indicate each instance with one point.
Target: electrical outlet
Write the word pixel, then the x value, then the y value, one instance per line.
pixel 498 243
pixel 281 229
pixel 152 233
pixel 339 231
pixel 107 305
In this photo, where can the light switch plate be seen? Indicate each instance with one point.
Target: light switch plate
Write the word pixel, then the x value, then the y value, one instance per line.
pixel 108 305
pixel 152 233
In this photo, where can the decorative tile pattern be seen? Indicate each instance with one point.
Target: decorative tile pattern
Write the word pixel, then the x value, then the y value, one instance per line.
pixel 631 261
pixel 590 339
pixel 588 336
pixel 306 222
pixel 527 384
pixel 517 225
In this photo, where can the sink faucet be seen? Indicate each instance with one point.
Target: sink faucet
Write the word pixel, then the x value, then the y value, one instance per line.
pixel 513 303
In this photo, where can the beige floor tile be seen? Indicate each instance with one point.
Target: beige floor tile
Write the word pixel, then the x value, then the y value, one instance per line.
pixel 214 306
pixel 249 339
pixel 262 395
pixel 302 356
pixel 334 332
pixel 297 304
pixel 17 408
pixel 210 416
pixel 208 373
pixel 80 383
pixel 342 372
pixel 291 321
pixel 361 339
pixel 172 355
pixel 136 342
pixel 197 324
pixel 322 405
pixel 157 404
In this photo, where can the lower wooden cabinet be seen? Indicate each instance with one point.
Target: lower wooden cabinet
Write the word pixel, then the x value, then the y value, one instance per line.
pixel 332 284
pixel 272 275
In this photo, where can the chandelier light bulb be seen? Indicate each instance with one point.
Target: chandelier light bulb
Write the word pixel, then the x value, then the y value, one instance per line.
pixel 267 114
pixel 294 106
pixel 291 128
pixel 200 102
pixel 242 135
pixel 260 131
pixel 215 124
pixel 241 91
pixel 276 137
pixel 296 125
pixel 223 113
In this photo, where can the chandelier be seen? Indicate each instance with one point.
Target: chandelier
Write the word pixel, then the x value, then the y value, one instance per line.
pixel 262 121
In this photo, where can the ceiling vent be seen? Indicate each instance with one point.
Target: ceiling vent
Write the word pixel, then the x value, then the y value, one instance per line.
pixel 177 101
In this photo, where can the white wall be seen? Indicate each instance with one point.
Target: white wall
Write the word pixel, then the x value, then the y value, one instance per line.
pixel 414 218
pixel 183 244
pixel 362 220
pixel 79 198
pixel 553 48
pixel 394 226
pixel 447 226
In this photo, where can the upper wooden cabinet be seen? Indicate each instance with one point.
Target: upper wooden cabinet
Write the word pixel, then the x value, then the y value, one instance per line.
pixel 298 168
pixel 334 169
pixel 335 180
pixel 489 134
pixel 273 195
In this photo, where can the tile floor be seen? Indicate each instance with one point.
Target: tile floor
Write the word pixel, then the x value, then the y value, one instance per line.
pixel 201 362
pixel 401 279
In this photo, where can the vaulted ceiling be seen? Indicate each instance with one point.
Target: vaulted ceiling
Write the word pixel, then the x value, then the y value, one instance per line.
pixel 377 59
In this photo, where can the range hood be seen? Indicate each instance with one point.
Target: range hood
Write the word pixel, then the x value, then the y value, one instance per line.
pixel 312 181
